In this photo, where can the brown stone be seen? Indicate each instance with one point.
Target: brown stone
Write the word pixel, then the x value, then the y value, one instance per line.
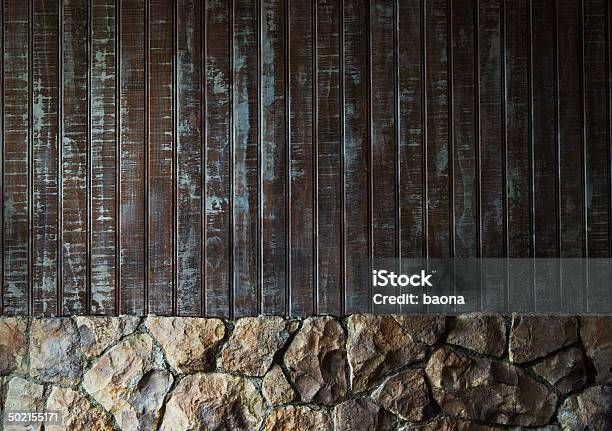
pixel 406 395
pixel 596 334
pixel 77 412
pixel 428 329
pixel 99 333
pixel 129 382
pixel 13 346
pixel 482 333
pixel 361 414
pixel 565 370
pixel 488 390
pixel 590 410
pixel 213 402
pixel 451 424
pixel 292 418
pixel 275 387
pixel 253 344
pixel 377 346
pixel 54 347
pixel 22 396
pixel 316 361
pixel 533 337
pixel 190 344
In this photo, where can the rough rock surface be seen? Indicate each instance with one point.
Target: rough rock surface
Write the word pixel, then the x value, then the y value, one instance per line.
pixel 428 329
pixel 316 361
pixel 565 370
pixel 596 334
pixel 22 396
pixel 485 334
pixel 377 346
pixel 54 347
pixel 275 387
pixel 406 395
pixel 452 424
pixel 213 402
pixel 13 345
pixel 190 344
pixel 99 333
pixel 77 411
pixel 128 381
pixel 533 337
pixel 298 418
pixel 361 414
pixel 488 390
pixel 590 410
pixel 253 344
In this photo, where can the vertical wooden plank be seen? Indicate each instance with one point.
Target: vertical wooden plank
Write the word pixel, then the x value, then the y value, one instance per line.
pixel 329 215
pixel 356 153
pixel 544 129
pixel 16 58
pixel 189 157
pixel 132 175
pixel 411 130
pixel 384 158
pixel 103 164
pixel 2 157
pixel 219 25
pixel 492 186
pixel 273 157
pixel 570 129
pixel 245 124
pixel 464 121
pixel 161 152
pixel 438 156
pixel 74 157
pixel 301 158
pixel 45 157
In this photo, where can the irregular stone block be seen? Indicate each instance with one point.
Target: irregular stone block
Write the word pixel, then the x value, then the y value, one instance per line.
pixel 488 390
pixel 99 333
pixel 533 337
pixel 316 361
pixel 451 424
pixel 361 414
pixel 275 387
pixel 13 345
pixel 377 346
pixel 298 418
pixel 253 344
pixel 190 343
pixel 22 396
pixel 485 334
pixel 428 329
pixel 213 402
pixel 129 382
pixel 596 334
pixel 54 347
pixel 406 395
pixel 565 370
pixel 77 412
pixel 590 410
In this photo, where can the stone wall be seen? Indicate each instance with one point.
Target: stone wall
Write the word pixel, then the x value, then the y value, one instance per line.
pixel 365 372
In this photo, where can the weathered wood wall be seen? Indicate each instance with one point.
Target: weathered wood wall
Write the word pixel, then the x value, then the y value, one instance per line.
pixel 237 157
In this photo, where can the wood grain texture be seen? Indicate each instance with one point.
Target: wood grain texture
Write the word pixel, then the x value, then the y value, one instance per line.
pixel 74 147
pixel 329 158
pixel 218 269
pixel 273 157
pixel 132 81
pixel 103 151
pixel 246 162
pixel 161 152
pixel 16 161
pixel 189 149
pixel 45 163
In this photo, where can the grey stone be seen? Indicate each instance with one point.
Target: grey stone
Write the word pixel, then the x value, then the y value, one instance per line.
pixel 406 395
pixel 565 370
pixel 23 396
pixel 533 337
pixel 360 414
pixel 428 329
pixel 590 410
pixel 482 333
